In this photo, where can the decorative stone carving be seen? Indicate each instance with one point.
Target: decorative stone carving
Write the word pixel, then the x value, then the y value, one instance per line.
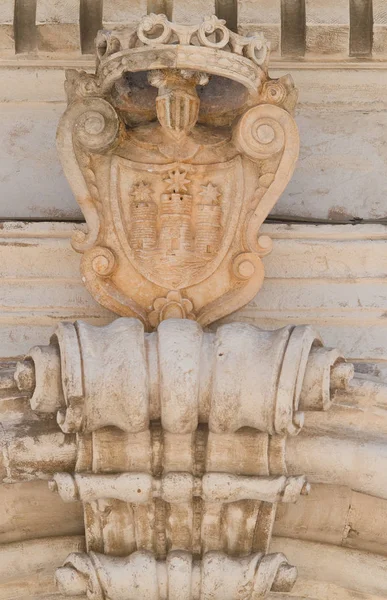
pixel 175 187
pixel 140 488
pixel 216 577
pixel 240 376
pixel 180 443
pixel 175 443
pixel 207 497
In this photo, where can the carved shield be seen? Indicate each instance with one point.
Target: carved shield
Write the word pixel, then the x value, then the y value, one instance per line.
pixel 175 222
pixel 173 208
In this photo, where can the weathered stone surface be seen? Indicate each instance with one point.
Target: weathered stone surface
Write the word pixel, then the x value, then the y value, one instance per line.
pixel 173 208
pixel 349 142
pixel 379 29
pixel 181 445
pixel 341 171
pixel 265 16
pixel 57 26
pixel 192 13
pixel 327 32
pixel 31 177
pixel 118 11
pixel 124 501
pixel 217 576
pixel 334 280
pixel 7 41
pixel 327 27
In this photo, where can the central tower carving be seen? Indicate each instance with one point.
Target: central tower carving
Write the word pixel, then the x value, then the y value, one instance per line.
pixel 177 149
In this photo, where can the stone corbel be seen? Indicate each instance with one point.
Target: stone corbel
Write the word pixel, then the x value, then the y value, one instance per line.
pixel 178 577
pixel 239 377
pixel 193 481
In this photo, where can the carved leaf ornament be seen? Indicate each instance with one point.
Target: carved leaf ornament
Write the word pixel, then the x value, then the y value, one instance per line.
pixel 174 195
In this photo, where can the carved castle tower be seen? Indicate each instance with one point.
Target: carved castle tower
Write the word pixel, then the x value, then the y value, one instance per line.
pixel 143 233
pixel 208 221
pixel 175 222
pixel 209 229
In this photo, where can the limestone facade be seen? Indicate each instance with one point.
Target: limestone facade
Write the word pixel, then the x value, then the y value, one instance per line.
pixel 163 454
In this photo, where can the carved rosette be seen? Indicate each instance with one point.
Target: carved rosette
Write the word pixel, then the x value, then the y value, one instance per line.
pixel 173 207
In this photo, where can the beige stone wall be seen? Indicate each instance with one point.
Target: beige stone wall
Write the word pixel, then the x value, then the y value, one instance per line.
pixel 323 271
pixel 331 276
pixel 341 174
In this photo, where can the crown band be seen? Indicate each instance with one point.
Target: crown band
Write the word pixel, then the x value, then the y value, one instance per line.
pixel 209 47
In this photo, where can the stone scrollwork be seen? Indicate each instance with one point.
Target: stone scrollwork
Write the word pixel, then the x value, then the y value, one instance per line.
pixel 179 443
pixel 176 192
pixel 96 127
pixel 140 575
pixel 239 377
pixel 175 442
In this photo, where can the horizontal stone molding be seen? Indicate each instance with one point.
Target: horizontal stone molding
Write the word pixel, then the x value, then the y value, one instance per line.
pixel 296 30
pixel 340 176
pixel 332 276
pixel 343 522
pixel 356 574
pixel 354 571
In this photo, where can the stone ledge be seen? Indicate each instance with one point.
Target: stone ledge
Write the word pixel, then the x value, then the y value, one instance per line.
pixel 332 276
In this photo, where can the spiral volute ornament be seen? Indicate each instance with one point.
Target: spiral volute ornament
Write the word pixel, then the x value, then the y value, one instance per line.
pixel 148 27
pixel 141 575
pixel 106 44
pixel 245 265
pixel 96 128
pixel 257 50
pixel 274 92
pixel 101 260
pixel 213 25
pixel 262 131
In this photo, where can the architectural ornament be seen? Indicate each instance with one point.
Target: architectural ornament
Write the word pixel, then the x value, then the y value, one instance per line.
pixel 176 149
pixel 175 442
pixel 179 443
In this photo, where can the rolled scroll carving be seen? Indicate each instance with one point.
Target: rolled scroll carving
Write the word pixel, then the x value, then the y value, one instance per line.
pixel 239 377
pixel 175 188
pixel 141 576
pixel 176 443
pixel 140 488
pixel 174 440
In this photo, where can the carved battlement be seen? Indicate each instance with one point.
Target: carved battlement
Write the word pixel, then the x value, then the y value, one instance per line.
pixel 144 230
pixel 171 227
pixel 179 205
pixel 208 228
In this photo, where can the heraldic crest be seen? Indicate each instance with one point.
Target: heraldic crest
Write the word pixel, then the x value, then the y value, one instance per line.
pixel 177 148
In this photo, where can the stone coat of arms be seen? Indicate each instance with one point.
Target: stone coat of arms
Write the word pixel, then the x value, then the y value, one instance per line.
pixel 176 149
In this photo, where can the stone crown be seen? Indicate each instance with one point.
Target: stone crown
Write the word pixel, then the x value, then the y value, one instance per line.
pixel 154 31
